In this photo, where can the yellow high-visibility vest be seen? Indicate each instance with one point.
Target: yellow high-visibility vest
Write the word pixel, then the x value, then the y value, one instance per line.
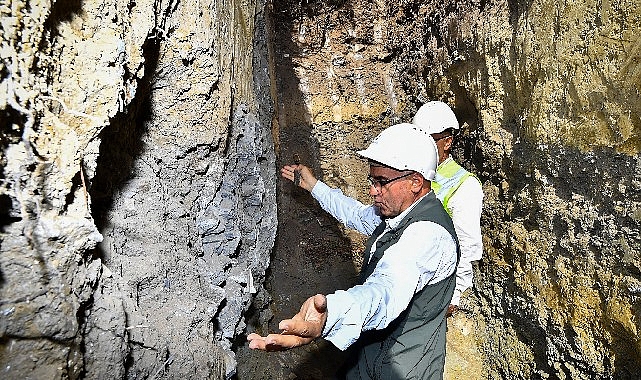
pixel 449 177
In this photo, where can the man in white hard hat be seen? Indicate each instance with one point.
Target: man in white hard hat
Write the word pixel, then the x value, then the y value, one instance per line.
pixel 459 190
pixel 395 316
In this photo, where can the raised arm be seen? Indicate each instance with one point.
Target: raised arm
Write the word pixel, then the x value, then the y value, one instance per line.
pixel 347 210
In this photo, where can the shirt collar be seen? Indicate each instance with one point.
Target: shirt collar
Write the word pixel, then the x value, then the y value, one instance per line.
pixel 392 223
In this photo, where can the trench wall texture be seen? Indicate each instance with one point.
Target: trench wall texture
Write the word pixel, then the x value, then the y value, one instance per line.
pixel 550 92
pixel 548 95
pixel 138 194
pixel 137 203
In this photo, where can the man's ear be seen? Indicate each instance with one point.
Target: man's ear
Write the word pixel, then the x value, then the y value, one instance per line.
pixel 417 182
pixel 447 145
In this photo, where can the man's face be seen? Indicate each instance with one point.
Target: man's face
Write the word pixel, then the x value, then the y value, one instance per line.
pixel 394 197
pixel 443 142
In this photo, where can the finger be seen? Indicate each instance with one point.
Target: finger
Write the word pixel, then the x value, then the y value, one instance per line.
pixel 256 342
pixel 305 329
pixel 279 342
pixel 320 303
pixel 287 173
pixel 288 176
pixel 253 336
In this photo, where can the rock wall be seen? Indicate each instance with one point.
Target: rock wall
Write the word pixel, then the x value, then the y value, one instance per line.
pixel 550 93
pixel 138 194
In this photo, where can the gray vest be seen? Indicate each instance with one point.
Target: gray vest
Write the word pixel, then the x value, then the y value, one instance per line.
pixel 413 345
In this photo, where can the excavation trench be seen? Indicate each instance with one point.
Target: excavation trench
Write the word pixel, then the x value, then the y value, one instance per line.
pixel 313 253
pixel 144 228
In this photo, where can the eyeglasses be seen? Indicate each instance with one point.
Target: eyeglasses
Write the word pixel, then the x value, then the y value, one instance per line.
pixel 379 183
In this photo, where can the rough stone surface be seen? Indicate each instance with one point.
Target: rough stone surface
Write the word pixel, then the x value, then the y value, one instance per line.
pixel 138 193
pixel 550 95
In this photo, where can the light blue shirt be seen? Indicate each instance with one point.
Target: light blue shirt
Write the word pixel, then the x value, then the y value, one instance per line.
pixel 425 254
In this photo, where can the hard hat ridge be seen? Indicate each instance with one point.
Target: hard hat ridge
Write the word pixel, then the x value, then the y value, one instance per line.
pixel 404 147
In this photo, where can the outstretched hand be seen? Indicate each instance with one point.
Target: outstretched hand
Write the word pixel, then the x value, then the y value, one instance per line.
pixel 306 179
pixel 304 327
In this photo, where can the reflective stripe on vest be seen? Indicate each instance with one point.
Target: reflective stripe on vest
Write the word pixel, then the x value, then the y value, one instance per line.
pixel 449 177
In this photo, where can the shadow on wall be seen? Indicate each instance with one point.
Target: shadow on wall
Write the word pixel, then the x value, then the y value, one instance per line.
pixel 517 9
pixel 311 253
pixel 61 11
pixel 121 143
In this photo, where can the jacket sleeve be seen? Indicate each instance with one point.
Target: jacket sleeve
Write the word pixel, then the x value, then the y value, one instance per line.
pixel 405 269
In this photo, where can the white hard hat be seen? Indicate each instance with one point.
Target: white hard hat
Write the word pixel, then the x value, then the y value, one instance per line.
pixel 404 147
pixel 435 117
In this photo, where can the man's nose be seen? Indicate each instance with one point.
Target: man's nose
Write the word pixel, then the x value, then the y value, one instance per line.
pixel 373 190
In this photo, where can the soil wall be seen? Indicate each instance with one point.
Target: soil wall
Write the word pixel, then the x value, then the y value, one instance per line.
pixel 138 192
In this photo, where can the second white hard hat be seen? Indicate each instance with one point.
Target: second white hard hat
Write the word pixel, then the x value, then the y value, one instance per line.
pixel 404 147
pixel 435 117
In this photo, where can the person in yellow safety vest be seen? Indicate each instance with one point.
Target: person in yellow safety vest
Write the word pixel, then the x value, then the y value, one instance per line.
pixel 459 190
